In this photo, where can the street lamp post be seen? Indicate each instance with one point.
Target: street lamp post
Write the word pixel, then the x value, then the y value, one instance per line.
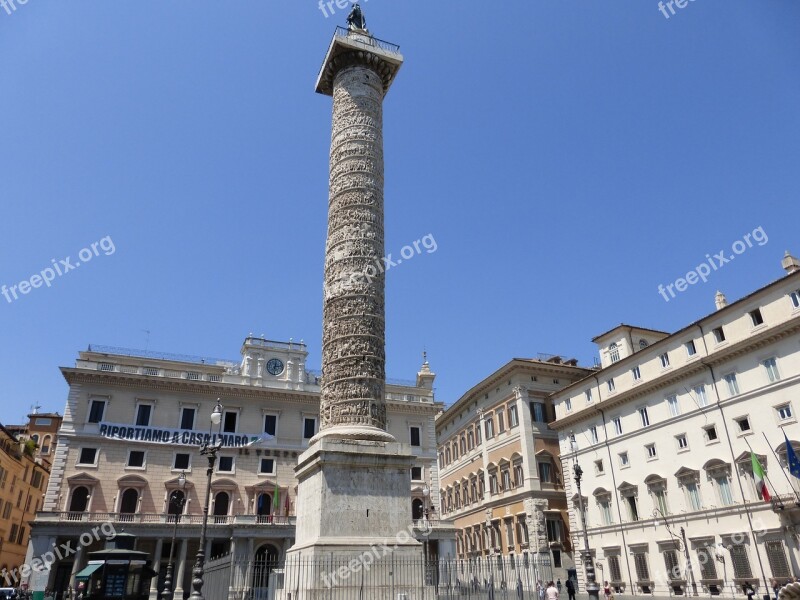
pixel 426 493
pixel 588 562
pixel 689 569
pixel 179 500
pixel 210 450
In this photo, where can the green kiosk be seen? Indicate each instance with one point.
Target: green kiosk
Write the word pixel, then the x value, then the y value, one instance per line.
pixel 118 572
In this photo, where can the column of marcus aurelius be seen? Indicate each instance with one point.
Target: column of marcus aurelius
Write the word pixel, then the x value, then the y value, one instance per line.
pixel 354 480
pixel 357 73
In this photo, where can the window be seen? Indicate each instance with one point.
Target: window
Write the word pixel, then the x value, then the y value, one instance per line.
pixel 36 479
pixel 640 562
pixel 267 466
pixel 136 459
pixel 182 461
pixel 700 395
pixel 506 475
pixel 672 564
pixel 744 424
pixel 545 472
pixel 96 411
pixel 795 296
pixel 617 425
pixel 510 533
pixel 611 385
pixel 771 366
pixel 568 404
pixel 538 412
pixel 230 420
pixel 106 367
pixel 613 352
pixel 733 385
pixel 711 433
pixel 88 456
pixel 605 511
pixel 557 559
pixel 664 360
pixel 553 530
pixel 613 568
pixel 12 537
pixel 416 473
pixel 489 425
pixel 637 374
pixel 143 413
pixel 513 419
pixel 271 424
pixel 623 459
pixel 187 418
pixel 46 445
pixel 683 443
pixel 415 435
pixel 740 561
pixel 707 559
pixel 650 449
pixel 691 349
pixel 588 394
pixel 501 421
pixel 724 490
pixel 777 558
pixel 593 434
pixel 7 510
pixel 519 475
pixel 644 416
pixel 692 495
pixel 672 403
pixel 598 467
pixel 493 482
pixel 660 500
pixel 784 412
pixel 756 318
pixel 225 464
pixel 719 334
pixel 309 427
pixel 633 508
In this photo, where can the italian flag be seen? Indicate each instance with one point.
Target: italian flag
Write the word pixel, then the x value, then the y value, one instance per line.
pixel 758 475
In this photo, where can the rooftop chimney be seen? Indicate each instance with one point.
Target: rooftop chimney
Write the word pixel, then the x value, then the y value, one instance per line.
pixel 790 263
pixel 720 300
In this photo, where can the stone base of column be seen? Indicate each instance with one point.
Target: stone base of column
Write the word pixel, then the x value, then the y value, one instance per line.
pixel 354 523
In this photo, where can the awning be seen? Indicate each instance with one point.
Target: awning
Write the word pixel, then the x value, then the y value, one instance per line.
pixel 87 572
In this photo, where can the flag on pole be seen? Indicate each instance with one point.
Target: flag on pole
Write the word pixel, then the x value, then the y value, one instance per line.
pixel 276 499
pixel 791 458
pixel 286 505
pixel 758 475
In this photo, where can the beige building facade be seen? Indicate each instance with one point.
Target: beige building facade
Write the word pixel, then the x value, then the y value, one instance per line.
pixel 501 476
pixel 663 433
pixel 132 426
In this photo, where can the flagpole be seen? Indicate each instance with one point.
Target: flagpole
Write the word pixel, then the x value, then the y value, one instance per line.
pixel 777 498
pixel 789 481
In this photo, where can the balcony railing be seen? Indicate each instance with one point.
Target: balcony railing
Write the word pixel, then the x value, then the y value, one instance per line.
pixel 161 518
pixel 366 41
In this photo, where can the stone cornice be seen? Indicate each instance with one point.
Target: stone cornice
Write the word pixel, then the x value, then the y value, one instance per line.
pixel 385 69
pixel 682 372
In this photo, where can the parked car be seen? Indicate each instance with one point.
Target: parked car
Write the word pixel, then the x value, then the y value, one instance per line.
pixel 8 594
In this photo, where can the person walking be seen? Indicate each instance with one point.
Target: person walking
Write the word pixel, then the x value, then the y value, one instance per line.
pixel 571 589
pixel 748 589
pixel 606 590
pixel 558 585
pixel 551 593
pixel 540 589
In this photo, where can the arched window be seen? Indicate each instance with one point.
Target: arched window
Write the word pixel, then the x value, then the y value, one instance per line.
pixel 222 503
pixel 463 445
pixel 35 438
pixel 80 500
pixel 46 444
pixel 470 440
pixel 642 344
pixel 613 352
pixel 264 505
pixel 177 501
pixel 417 509
pixel 128 504
pixel 447 455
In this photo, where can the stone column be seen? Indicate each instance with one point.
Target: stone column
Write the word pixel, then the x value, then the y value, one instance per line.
pixel 352 401
pixel 157 568
pixel 181 568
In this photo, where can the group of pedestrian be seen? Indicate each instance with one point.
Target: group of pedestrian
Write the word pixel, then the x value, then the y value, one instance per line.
pixel 552 590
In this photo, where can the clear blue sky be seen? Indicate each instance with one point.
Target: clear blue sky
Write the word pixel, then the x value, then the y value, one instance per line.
pixel 568 156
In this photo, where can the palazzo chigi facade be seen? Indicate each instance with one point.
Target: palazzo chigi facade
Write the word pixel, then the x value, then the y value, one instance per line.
pixel 663 433
pixel 501 477
pixel 132 425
